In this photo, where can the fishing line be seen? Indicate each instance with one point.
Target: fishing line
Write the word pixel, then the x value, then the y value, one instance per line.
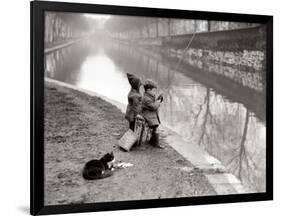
pixel 185 50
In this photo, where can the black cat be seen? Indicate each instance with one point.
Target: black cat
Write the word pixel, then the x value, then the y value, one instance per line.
pixel 98 169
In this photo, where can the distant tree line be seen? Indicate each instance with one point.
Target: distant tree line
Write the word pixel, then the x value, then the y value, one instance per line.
pixel 145 27
pixel 60 26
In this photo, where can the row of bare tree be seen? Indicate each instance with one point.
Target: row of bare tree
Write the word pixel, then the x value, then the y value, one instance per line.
pixel 145 27
pixel 62 26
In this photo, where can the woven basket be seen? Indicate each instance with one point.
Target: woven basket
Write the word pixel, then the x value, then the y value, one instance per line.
pixel 128 140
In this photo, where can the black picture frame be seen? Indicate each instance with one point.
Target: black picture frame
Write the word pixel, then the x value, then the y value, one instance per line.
pixel 37 9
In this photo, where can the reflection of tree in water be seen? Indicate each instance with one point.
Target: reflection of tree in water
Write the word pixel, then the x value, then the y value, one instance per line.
pixel 64 64
pixel 219 131
pixel 209 125
pixel 242 163
pixel 240 152
pixel 207 119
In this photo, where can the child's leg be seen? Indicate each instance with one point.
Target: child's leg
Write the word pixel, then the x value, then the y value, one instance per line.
pixel 132 125
pixel 154 140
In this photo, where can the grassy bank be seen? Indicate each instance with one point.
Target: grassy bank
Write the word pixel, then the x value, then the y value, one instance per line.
pixel 79 128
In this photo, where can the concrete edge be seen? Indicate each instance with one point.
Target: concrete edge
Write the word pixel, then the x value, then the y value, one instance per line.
pixel 52 49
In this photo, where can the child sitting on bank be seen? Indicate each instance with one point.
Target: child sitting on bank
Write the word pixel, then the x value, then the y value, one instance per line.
pixel 134 100
pixel 150 106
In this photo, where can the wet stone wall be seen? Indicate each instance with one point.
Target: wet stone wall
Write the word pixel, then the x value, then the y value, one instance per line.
pixel 245 66
pixel 236 54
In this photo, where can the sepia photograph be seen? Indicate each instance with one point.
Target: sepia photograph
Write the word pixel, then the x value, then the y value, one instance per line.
pixel 142 108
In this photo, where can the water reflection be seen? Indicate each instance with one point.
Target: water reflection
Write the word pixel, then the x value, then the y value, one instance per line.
pixel 233 134
pixel 225 118
pixel 100 74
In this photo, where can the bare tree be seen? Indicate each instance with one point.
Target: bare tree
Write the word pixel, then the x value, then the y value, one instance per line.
pixel 242 161
pixel 207 116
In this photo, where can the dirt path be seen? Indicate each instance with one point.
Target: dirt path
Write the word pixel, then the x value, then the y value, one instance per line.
pixel 79 128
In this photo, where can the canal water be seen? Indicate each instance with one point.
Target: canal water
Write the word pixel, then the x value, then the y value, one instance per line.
pixel 224 118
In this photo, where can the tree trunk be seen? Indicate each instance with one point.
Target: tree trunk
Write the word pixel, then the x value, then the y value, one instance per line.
pixel 209 25
pixel 157 30
pixel 169 27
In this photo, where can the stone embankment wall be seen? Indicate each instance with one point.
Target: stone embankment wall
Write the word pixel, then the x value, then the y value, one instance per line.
pixel 238 54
